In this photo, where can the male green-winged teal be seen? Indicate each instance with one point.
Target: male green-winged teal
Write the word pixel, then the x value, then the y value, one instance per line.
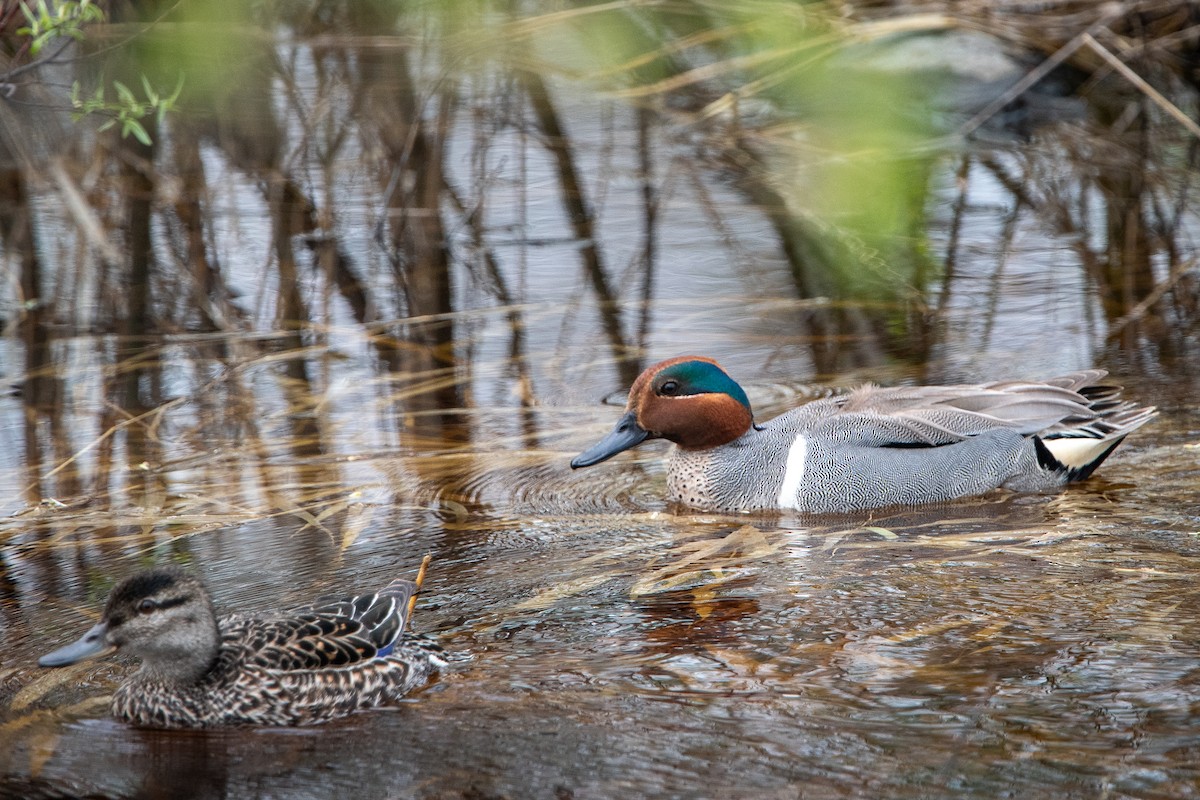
pixel 872 447
pixel 299 667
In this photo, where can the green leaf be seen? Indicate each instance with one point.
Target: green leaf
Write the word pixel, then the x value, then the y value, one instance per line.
pixel 139 132
pixel 178 91
pixel 151 95
pixel 124 93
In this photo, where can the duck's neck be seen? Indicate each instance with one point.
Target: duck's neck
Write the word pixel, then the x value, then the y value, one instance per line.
pixel 186 657
pixel 184 671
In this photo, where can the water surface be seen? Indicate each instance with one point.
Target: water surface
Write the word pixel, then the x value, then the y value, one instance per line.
pixel 346 397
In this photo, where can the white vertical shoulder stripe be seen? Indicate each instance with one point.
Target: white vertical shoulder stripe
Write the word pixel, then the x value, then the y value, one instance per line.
pixel 789 491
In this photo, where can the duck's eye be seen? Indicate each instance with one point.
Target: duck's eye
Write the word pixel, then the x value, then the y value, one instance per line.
pixel 146 606
pixel 669 388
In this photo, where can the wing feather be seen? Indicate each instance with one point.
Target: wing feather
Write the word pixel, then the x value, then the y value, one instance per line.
pixel 330 633
pixel 932 416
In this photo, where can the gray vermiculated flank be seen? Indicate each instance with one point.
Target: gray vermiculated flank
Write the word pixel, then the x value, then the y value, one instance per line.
pixel 905 446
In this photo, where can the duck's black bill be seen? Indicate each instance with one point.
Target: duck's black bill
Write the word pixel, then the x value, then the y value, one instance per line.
pixel 627 434
pixel 90 645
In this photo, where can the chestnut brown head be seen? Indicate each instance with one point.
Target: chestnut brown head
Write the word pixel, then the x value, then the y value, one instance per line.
pixel 687 400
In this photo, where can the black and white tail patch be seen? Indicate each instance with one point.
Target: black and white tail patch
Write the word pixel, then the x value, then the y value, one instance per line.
pixel 1078 457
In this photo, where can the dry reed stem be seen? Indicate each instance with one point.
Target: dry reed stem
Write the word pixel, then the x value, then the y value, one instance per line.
pixel 420 579
pixel 107 434
pixel 83 214
pixel 1113 11
pixel 730 65
pixel 1139 311
pixel 1146 89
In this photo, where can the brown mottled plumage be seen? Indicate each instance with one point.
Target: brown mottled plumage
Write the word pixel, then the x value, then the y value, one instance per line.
pixel 299 667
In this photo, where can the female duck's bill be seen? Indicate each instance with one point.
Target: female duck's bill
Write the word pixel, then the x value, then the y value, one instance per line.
pixel 872 447
pixel 90 645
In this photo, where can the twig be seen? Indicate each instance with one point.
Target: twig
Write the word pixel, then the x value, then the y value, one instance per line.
pixel 7 77
pixel 84 214
pixel 412 601
pixel 1137 80
pixel 1139 311
pixel 125 423
pixel 1040 71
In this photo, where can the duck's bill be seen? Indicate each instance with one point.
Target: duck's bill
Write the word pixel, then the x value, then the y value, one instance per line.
pixel 90 645
pixel 627 434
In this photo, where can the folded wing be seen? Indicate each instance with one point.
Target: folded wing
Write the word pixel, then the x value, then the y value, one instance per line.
pixel 330 633
pixel 1077 405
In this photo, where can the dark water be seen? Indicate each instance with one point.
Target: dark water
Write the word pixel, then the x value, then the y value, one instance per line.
pixel 331 375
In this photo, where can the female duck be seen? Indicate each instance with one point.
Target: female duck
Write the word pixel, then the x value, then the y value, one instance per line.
pixel 872 447
pixel 296 668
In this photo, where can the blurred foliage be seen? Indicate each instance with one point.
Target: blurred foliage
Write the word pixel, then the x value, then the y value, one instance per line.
pixel 842 145
pixel 63 20
pixel 217 45
pixel 773 88
pixel 773 84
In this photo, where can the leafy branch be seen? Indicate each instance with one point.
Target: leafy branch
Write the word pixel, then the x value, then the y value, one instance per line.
pixel 127 110
pixel 66 20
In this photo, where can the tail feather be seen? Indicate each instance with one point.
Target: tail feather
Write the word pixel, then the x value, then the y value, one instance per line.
pixel 1076 457
pixel 1077 445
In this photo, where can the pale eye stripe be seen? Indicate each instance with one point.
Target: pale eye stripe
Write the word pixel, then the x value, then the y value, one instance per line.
pixel 789 490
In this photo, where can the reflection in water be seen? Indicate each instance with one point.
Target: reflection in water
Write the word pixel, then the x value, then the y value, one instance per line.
pixel 484 185
pixel 360 301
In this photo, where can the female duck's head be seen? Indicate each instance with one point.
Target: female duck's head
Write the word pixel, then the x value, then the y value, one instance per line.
pixel 688 400
pixel 163 617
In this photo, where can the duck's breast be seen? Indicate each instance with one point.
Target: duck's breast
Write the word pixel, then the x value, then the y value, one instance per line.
pixel 745 475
